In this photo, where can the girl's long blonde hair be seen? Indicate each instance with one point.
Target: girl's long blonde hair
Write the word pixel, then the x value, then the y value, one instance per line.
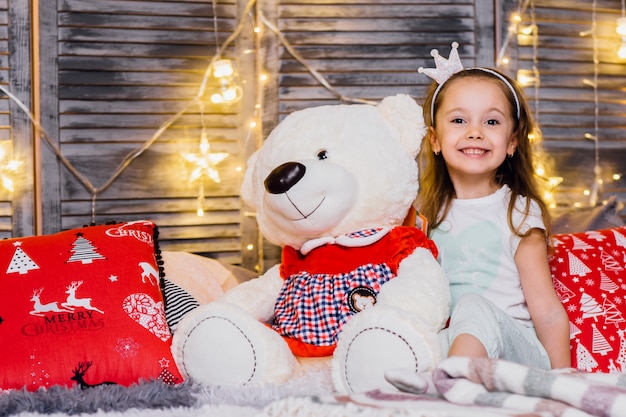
pixel 436 189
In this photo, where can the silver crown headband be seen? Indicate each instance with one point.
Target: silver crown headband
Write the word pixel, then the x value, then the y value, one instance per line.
pixel 446 68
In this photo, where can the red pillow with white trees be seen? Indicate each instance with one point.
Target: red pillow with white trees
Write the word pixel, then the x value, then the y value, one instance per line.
pixel 83 307
pixel 589 275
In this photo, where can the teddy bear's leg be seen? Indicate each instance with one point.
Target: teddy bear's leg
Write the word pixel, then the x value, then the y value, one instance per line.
pixel 377 340
pixel 221 344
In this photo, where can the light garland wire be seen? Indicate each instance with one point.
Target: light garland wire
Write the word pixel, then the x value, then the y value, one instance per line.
pixel 215 32
pixel 311 70
pixel 621 31
pixel 259 102
pixel 511 32
pixel 535 35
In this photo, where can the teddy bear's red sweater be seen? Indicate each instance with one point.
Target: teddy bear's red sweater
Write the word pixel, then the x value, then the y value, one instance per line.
pixel 326 287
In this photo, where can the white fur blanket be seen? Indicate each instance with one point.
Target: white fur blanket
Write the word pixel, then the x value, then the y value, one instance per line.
pixel 467 388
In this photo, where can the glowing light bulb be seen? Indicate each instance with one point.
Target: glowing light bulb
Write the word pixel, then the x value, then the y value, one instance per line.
pixel 227 80
pixel 230 94
pixel 8 184
pixel 540 170
pixel 217 98
pixel 222 68
pixel 554 181
pixel 622 51
pixel 621 26
pixel 13 165
pixel 526 78
pixel 8 166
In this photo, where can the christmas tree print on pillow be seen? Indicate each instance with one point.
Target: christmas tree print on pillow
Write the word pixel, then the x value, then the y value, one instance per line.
pixel 20 262
pixel 83 251
pixel 83 307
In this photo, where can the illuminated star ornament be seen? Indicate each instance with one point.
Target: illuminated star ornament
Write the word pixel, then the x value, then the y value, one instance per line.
pixel 204 162
pixel 204 167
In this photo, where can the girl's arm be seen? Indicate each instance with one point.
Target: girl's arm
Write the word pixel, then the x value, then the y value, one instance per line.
pixel 546 311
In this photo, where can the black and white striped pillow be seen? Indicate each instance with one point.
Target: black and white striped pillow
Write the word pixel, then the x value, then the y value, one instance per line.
pixel 178 302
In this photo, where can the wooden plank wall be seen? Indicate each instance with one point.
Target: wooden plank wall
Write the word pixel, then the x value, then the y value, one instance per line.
pixel 124 68
pixel 566 106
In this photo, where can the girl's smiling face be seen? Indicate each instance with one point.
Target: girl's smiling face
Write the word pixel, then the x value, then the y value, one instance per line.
pixel 474 129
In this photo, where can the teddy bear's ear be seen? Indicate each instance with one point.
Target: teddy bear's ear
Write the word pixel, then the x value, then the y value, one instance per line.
pixel 248 186
pixel 406 117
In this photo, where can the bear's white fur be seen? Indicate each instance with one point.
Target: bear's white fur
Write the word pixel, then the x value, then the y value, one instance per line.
pixel 323 176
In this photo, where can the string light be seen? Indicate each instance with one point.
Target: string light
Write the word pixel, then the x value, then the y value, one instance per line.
pixel 595 191
pixel 227 77
pixel 134 154
pixel 528 34
pixel 224 80
pixel 534 32
pixel 514 20
pixel 527 78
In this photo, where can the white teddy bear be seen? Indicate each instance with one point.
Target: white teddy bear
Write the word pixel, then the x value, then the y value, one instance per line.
pixel 331 185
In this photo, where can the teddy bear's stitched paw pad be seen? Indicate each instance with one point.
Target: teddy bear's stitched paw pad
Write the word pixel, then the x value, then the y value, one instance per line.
pixel 378 344
pixel 214 350
pixel 223 346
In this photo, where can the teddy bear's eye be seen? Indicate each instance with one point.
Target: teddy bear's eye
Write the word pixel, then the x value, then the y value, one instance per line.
pixel 321 155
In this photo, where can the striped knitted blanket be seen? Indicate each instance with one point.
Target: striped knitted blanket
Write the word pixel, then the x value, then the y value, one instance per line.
pixel 508 385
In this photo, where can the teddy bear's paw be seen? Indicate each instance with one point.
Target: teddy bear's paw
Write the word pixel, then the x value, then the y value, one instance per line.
pixel 220 344
pixel 377 340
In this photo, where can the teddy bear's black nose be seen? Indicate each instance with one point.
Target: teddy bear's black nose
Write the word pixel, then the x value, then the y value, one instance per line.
pixel 283 177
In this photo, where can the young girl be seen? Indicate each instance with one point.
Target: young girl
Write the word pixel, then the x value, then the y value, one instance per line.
pixel 488 220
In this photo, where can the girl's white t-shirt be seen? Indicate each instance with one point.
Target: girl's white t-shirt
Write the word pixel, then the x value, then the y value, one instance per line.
pixel 477 249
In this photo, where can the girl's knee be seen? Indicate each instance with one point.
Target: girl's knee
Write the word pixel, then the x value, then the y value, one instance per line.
pixel 476 316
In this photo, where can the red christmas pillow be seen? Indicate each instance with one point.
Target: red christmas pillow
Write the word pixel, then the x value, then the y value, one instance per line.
pixel 84 307
pixel 589 275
